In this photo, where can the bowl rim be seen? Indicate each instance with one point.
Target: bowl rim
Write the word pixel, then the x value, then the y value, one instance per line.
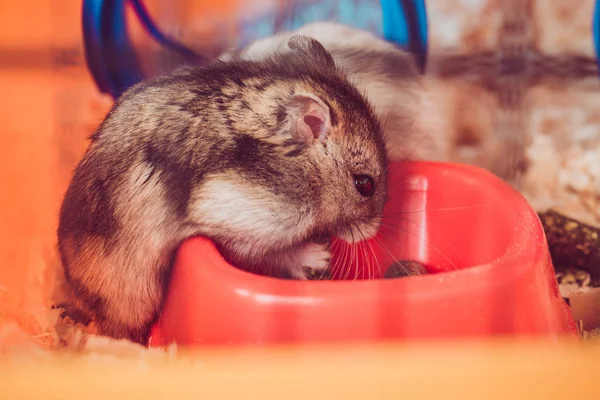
pixel 527 248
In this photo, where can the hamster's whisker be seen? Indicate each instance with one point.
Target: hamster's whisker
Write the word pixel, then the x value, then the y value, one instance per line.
pixel 347 260
pixel 340 261
pixel 426 241
pixel 368 256
pixel 355 258
pixel 383 247
pixel 366 245
pixel 397 260
pixel 405 136
pixel 367 259
pixel 352 257
pixel 415 147
pixel 421 225
pixel 363 252
pixel 376 260
pixel 392 257
pixel 334 259
pixel 331 262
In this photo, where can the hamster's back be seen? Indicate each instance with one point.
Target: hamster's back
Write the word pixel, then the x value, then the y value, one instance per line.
pixel 129 204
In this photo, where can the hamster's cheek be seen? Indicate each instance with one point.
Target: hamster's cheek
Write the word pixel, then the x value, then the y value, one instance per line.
pixel 228 205
pixel 361 231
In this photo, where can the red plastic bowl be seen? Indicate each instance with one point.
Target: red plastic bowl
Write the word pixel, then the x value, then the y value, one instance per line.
pixel 489 268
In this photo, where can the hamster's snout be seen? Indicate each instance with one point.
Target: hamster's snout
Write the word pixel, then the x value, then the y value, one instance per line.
pixel 360 231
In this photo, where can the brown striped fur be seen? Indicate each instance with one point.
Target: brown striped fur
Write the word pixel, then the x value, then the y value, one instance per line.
pixel 220 151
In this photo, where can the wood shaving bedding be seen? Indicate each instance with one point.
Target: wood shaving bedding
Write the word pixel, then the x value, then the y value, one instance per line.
pixel 564 168
pixel 65 338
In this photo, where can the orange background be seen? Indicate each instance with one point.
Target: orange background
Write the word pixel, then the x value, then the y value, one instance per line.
pixel 47 113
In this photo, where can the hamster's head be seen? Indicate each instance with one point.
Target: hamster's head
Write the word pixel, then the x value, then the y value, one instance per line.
pixel 341 147
pixel 344 149
pixel 308 159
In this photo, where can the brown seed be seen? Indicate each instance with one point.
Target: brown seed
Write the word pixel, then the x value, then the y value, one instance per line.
pixel 404 268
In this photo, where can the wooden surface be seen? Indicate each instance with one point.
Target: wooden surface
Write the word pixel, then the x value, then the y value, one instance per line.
pixel 452 371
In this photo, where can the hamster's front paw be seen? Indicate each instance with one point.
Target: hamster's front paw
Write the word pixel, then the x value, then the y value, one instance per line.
pixel 312 257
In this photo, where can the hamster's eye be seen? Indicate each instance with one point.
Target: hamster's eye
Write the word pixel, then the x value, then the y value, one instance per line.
pixel 364 185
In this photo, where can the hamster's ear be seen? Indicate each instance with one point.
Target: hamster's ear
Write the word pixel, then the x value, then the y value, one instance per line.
pixel 309 116
pixel 311 49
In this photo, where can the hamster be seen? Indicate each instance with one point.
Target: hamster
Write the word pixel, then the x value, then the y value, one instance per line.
pixel 266 158
pixel 387 75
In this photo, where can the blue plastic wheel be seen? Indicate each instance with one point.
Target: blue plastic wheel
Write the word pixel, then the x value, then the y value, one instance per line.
pixel 596 32
pixel 111 58
pixel 405 23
